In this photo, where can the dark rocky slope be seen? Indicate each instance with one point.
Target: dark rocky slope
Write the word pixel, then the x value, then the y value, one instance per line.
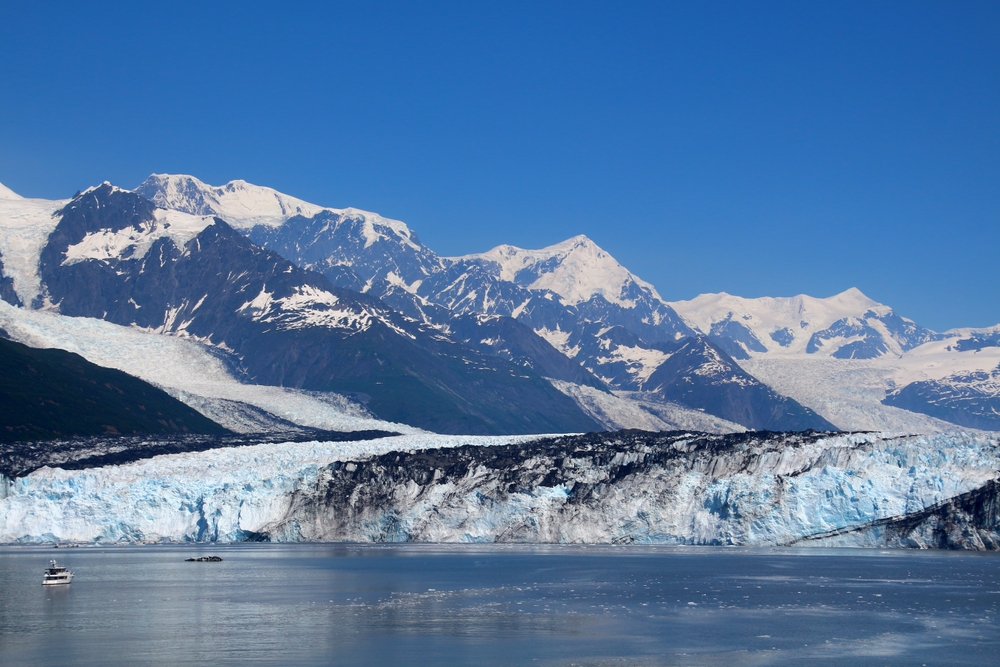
pixel 970 521
pixel 47 394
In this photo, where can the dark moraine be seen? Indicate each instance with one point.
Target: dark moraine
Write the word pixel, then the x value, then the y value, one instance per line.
pixel 18 459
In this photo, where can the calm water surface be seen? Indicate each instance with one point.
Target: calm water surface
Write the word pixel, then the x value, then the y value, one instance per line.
pixel 433 605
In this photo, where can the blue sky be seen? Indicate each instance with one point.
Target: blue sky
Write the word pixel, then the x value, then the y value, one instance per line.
pixel 752 148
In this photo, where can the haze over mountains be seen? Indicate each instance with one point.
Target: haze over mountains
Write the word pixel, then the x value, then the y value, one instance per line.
pixel 352 305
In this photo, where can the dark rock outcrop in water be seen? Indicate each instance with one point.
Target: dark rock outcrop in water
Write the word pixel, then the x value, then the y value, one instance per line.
pixel 970 521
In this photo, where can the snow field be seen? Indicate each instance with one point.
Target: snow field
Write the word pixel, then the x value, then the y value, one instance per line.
pixel 25 225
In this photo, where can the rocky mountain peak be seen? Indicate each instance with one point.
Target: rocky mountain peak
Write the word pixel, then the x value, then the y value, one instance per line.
pixel 239 203
pixel 576 269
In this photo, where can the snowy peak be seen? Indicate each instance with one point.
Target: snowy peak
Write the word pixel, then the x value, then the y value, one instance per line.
pixel 848 325
pixel 7 193
pixel 375 228
pixel 108 223
pixel 245 205
pixel 802 311
pixel 239 203
pixel 576 269
pixel 105 186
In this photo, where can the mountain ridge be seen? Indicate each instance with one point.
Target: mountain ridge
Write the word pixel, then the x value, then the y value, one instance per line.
pixel 579 313
pixel 612 330
pixel 288 326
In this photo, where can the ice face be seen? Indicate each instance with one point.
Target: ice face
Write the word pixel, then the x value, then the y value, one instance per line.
pixel 758 494
pixel 216 495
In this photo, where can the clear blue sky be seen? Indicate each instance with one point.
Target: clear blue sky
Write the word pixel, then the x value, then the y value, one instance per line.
pixel 753 148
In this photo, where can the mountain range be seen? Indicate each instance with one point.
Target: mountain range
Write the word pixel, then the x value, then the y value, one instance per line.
pixel 354 308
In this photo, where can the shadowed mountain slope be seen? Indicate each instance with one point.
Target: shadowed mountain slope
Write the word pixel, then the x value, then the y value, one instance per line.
pixel 46 394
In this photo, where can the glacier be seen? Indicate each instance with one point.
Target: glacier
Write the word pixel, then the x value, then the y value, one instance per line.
pixel 740 489
pixel 848 392
pixel 646 411
pixel 190 371
pixel 216 495
pixel 627 487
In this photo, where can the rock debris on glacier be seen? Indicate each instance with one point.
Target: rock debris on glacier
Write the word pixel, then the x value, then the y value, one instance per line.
pixel 753 488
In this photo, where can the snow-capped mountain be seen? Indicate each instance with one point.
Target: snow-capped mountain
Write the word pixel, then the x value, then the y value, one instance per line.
pixel 239 203
pixel 582 275
pixel 104 246
pixel 885 362
pixel 589 307
pixel 355 249
pixel 573 296
pixel 115 255
pixel 569 312
pixel 576 269
pixel 385 258
pixel 556 289
pixel 848 325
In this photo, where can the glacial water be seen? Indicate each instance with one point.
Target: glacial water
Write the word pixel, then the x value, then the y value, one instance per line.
pixel 310 604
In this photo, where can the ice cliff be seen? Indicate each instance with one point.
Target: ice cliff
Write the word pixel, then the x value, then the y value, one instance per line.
pixel 753 488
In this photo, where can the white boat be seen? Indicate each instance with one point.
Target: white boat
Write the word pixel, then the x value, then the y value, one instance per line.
pixel 56 574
